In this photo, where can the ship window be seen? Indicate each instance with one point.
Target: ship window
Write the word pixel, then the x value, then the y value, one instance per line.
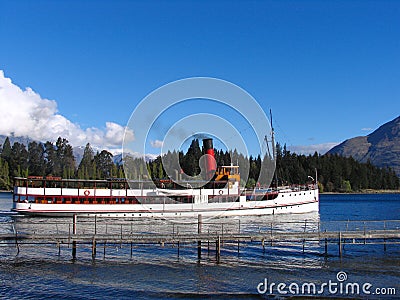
pixel 53 183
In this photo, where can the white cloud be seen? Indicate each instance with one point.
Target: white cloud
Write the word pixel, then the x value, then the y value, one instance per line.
pixel 156 144
pixel 25 113
pixel 310 149
pixel 366 129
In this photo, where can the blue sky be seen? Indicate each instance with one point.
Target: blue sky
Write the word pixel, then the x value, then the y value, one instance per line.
pixel 329 70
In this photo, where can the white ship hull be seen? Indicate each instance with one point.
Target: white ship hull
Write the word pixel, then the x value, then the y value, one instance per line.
pixel 288 201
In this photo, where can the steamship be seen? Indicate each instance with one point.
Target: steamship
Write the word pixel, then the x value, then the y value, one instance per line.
pixel 220 196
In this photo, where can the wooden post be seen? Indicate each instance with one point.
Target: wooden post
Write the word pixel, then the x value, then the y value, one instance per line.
pixel 104 249
pixel 120 244
pixel 208 244
pixel 73 250
pixel 340 244
pixel 199 227
pixel 74 230
pixel 263 245
pixel 178 248
pixel 75 220
pixel 305 229
pixel 222 234
pixel 218 249
pixel 95 224
pixel 93 248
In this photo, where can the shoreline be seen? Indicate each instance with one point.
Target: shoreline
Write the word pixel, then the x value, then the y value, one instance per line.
pixel 363 192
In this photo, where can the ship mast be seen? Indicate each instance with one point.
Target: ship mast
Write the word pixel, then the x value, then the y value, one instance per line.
pixel 273 148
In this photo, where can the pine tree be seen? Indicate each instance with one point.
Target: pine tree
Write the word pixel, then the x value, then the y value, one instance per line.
pixel 190 161
pixel 85 168
pixel 36 159
pixel 6 151
pixel 64 160
pixel 50 158
pixel 19 159
pixel 4 175
pixel 104 164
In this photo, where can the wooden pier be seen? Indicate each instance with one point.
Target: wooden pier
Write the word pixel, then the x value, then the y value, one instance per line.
pixel 100 232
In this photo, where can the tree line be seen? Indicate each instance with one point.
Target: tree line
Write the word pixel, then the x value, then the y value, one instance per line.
pixel 53 159
pixel 335 173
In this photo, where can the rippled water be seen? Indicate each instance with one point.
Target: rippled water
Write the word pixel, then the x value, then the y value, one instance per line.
pixel 153 271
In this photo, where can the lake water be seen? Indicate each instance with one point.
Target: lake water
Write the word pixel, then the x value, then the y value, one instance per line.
pixel 155 272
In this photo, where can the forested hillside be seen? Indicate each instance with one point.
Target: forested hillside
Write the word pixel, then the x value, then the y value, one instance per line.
pixel 335 173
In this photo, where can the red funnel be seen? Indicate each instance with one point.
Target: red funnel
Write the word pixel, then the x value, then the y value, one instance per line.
pixel 211 165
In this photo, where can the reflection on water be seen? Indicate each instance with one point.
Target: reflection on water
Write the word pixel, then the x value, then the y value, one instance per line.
pixel 156 271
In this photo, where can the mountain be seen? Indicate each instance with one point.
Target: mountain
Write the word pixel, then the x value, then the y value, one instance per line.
pixel 381 147
pixel 117 158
